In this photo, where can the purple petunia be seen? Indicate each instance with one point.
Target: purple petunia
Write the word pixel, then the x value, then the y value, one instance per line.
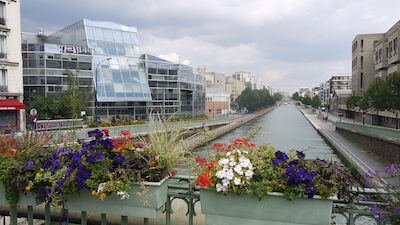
pixel 300 154
pixel 119 158
pixel 95 133
pixel 276 161
pixel 281 156
pixel 29 165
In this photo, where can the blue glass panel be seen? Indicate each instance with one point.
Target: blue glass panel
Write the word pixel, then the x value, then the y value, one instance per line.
pixel 98 34
pixel 111 48
pixel 101 48
pixel 135 76
pixel 108 36
pixel 116 75
pixel 120 49
pixel 100 90
pixel 126 77
pixel 109 90
pixel 118 36
pixel 127 37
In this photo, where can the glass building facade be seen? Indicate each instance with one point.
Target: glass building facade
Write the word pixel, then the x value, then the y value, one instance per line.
pixel 175 89
pixel 118 71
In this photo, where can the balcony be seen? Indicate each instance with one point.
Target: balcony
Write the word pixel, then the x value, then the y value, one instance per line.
pixel 2 21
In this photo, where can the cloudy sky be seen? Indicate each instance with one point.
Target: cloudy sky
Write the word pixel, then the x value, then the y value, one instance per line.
pixel 286 43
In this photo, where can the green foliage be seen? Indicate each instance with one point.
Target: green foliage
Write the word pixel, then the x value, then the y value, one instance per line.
pixel 278 97
pixel 296 96
pixel 315 102
pixel 65 103
pixel 381 95
pixel 253 100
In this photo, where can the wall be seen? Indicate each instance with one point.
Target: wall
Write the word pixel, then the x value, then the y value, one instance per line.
pixel 387 151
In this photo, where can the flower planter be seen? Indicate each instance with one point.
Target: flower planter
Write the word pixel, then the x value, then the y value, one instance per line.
pixel 145 202
pixel 233 209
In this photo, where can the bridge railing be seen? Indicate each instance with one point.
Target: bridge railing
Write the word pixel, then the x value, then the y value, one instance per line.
pixel 182 192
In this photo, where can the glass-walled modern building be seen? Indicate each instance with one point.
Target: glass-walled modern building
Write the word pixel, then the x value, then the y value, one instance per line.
pixel 121 85
pixel 175 89
pixel 107 56
pixel 47 66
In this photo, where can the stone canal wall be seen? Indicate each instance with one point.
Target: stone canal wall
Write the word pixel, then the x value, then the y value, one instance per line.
pixel 387 150
pixel 202 139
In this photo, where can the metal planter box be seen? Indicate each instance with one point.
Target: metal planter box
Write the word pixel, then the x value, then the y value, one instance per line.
pixel 233 209
pixel 145 202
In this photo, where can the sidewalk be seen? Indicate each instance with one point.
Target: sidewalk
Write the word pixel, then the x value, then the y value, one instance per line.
pixel 364 161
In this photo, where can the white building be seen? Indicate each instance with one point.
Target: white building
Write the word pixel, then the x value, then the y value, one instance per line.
pixel 12 110
pixel 218 102
pixel 305 92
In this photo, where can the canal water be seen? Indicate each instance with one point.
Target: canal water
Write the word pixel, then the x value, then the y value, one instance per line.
pixel 286 129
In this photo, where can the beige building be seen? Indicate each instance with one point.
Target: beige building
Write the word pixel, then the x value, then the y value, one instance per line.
pixel 363 68
pixel 234 87
pixel 213 79
pixel 387 56
pixel 12 110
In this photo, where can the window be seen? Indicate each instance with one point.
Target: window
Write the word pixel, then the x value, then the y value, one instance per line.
pixel 152 70
pixel 362 44
pixel 2 16
pixel 53 64
pixel 3 78
pixel 361 80
pixel 70 65
pixel 2 47
pixel 362 61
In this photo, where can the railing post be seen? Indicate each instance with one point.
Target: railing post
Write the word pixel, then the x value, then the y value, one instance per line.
pixel 351 215
pixel 83 218
pixel 13 215
pixel 47 216
pixel 103 219
pixel 168 211
pixel 146 221
pixel 30 215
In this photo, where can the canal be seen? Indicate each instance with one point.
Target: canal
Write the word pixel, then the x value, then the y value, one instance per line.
pixel 286 129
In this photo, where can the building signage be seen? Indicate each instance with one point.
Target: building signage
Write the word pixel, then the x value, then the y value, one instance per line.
pixel 74 49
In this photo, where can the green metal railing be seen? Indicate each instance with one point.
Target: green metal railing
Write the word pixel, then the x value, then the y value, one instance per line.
pixel 181 188
pixel 384 133
pixel 141 129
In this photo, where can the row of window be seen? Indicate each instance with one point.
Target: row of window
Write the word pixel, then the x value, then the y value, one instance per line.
pixel 355 45
pixel 151 70
pixel 30 80
pixel 393 47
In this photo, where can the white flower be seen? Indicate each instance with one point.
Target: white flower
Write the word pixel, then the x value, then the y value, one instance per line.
pixel 244 162
pixel 100 188
pixel 225 183
pixel 220 187
pixel 229 174
pixel 238 170
pixel 228 153
pixel 223 161
pixel 249 174
pixel 237 181
pixel 123 194
pixel 232 163
pixel 219 174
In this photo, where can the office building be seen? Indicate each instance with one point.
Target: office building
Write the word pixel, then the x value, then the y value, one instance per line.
pixel 12 110
pixel 175 89
pixel 217 102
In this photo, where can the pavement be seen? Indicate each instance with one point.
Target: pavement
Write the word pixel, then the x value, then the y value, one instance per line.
pixel 364 161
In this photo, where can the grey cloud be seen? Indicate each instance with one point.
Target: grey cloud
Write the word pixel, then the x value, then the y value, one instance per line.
pixel 296 42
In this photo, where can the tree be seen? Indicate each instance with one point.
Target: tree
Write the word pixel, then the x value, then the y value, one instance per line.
pixel 394 86
pixel 296 96
pixel 253 100
pixel 353 102
pixel 378 95
pixel 307 100
pixel 315 102
pixel 67 104
pixel 278 97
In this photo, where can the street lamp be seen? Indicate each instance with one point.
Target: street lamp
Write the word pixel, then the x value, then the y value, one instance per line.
pixel 96 104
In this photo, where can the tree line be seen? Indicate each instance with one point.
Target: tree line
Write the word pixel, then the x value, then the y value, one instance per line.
pixel 382 95
pixel 314 102
pixel 253 100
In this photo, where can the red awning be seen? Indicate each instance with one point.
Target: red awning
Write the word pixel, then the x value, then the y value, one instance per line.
pixel 11 104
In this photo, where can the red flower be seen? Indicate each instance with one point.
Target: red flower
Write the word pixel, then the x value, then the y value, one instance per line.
pixel 204 179
pixel 172 173
pixel 241 140
pixel 218 146
pixel 201 161
pixel 126 133
pixel 106 132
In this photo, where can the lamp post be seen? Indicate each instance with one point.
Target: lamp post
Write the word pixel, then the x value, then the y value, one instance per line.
pixel 96 104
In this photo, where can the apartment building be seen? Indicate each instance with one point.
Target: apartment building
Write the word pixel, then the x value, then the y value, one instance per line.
pixel 234 87
pixel 217 102
pixel 363 68
pixel 12 110
pixel 387 56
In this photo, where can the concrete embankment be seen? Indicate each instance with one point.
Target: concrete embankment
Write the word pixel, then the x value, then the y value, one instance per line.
pixel 352 153
pixel 201 139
